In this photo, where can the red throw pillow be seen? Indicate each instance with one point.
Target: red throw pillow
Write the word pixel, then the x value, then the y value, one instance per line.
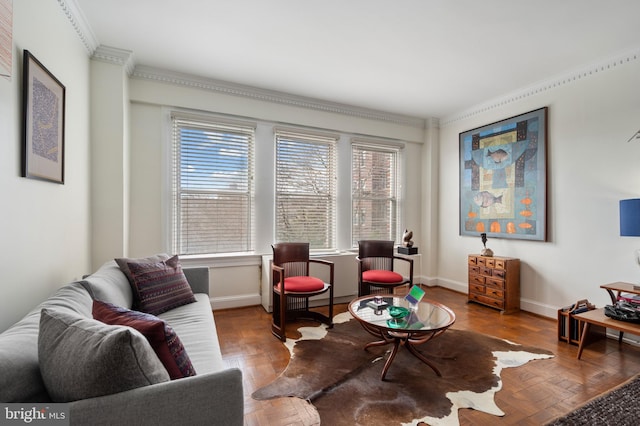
pixel 164 341
pixel 382 276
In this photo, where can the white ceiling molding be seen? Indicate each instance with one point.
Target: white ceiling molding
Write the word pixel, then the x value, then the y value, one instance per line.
pixel 179 79
pixel 125 57
pixel 86 35
pixel 432 123
pixel 79 23
pixel 555 82
pixel 115 56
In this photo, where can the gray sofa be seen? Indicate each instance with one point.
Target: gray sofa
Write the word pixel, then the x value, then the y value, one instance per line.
pixel 214 396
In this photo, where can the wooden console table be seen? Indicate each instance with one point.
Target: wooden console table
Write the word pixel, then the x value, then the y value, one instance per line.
pixel 597 316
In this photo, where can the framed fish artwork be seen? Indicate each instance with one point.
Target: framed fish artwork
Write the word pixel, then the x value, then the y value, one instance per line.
pixel 503 178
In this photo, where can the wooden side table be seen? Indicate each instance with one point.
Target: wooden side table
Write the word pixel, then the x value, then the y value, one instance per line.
pixel 495 281
pixel 597 316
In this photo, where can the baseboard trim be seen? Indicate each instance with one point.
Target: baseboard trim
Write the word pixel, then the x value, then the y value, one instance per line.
pixel 525 304
pixel 255 299
pixel 235 301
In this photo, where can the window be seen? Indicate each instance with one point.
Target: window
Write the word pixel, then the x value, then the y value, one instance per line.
pixel 212 186
pixel 306 188
pixel 375 192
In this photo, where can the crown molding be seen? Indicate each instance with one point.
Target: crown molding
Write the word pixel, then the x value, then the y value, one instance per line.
pixel 115 56
pixel 227 88
pixel 432 123
pixel 573 76
pixel 80 25
pixel 125 58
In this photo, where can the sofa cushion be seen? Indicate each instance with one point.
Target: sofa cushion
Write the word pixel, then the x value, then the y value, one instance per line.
pixel 302 284
pixel 195 324
pixel 163 339
pixel 381 276
pixel 109 284
pixel 160 286
pixel 84 358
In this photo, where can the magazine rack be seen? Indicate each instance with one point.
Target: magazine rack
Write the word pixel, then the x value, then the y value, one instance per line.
pixel 569 328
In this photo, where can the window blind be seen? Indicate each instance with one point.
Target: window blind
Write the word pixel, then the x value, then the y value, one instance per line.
pixel 306 188
pixel 213 189
pixel 374 192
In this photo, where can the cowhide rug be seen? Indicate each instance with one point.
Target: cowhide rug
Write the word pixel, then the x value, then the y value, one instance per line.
pixel 331 369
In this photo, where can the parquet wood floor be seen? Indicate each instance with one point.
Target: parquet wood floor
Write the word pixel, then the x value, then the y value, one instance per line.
pixel 531 395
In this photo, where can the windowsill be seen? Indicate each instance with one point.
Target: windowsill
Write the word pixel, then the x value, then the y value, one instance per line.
pixel 330 253
pixel 221 259
pixel 244 258
pixel 195 257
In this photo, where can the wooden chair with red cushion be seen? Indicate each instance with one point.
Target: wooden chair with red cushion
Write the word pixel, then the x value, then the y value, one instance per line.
pixel 293 286
pixel 375 268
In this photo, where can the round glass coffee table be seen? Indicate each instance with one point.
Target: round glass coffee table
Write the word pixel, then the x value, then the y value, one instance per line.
pixel 393 320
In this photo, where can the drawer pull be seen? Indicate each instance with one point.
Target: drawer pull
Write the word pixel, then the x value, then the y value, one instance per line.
pixel 477 279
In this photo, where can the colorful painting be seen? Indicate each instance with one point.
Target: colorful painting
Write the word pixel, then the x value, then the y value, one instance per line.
pixel 503 183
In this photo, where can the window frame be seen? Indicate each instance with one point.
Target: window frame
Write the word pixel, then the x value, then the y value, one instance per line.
pixel 396 149
pixel 178 119
pixel 310 138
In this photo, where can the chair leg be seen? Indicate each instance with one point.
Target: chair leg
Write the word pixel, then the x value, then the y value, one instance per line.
pixel 278 325
pixel 330 307
pixel 278 316
pixel 275 316
pixel 283 315
pixel 363 289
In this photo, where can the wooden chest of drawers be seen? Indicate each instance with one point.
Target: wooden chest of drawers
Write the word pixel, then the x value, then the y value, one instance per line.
pixel 495 281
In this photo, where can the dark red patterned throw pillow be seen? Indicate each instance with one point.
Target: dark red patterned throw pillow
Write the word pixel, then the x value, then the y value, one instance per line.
pixel 160 286
pixel 164 341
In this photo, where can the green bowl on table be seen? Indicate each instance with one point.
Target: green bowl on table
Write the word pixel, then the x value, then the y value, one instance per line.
pixel 398 313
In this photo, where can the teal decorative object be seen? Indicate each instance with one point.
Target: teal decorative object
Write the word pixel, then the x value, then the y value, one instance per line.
pixel 398 313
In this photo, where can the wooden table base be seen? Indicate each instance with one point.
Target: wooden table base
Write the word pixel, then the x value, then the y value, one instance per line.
pixel 408 340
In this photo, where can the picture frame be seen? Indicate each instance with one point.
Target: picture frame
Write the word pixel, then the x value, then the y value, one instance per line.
pixel 503 178
pixel 6 38
pixel 43 100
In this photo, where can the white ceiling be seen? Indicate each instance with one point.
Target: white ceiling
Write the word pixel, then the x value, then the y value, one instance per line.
pixel 422 58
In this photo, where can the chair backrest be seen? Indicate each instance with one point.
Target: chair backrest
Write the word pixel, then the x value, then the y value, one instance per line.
pixel 293 257
pixel 376 254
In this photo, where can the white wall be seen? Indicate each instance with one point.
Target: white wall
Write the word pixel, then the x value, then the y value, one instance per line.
pixel 109 162
pixel 590 168
pixel 44 226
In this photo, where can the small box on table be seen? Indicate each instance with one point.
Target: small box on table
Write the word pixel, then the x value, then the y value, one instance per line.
pixel 407 250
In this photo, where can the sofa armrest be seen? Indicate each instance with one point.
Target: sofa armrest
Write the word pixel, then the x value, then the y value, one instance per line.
pixel 208 399
pixel 198 278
